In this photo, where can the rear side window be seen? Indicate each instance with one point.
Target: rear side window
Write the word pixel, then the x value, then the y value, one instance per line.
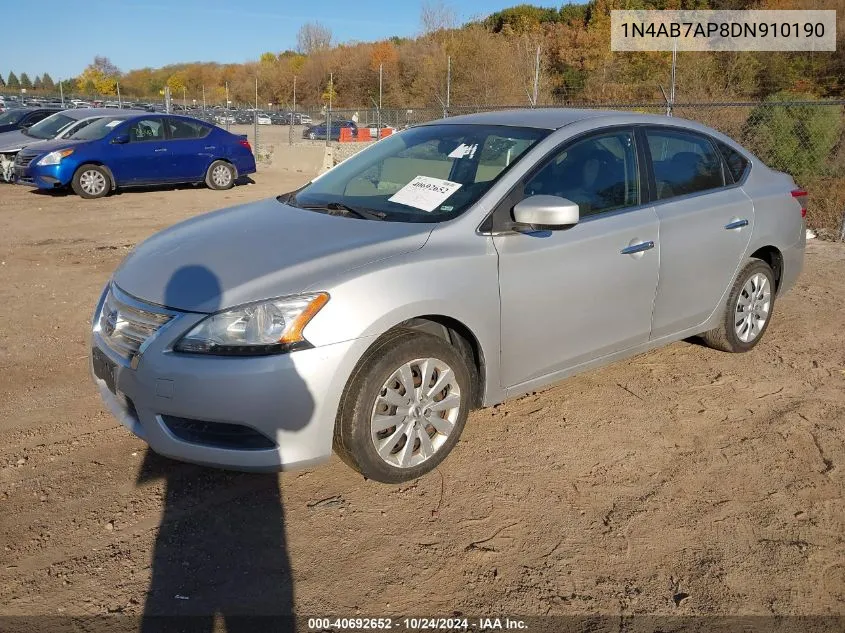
pixel 683 163
pixel 737 163
pixel 182 129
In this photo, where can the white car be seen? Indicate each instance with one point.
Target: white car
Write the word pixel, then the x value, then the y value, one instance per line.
pixel 263 119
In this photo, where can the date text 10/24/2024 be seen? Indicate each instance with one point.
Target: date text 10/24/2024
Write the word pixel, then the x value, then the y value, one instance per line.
pixel 417 624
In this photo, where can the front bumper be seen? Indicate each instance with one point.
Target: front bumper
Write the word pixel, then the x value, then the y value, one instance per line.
pixel 290 398
pixel 49 177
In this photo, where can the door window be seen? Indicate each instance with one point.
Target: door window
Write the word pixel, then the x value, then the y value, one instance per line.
pixel 146 130
pixel 737 163
pixel 598 173
pixel 184 129
pixel 683 163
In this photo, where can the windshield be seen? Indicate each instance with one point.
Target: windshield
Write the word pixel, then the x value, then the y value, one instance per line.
pixel 430 173
pixel 10 117
pixel 51 126
pixel 97 129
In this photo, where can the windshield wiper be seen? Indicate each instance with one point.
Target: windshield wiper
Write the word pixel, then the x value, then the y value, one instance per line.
pixel 364 214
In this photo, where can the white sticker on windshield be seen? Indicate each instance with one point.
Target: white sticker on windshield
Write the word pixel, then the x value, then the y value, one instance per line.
pixel 114 123
pixel 464 151
pixel 425 193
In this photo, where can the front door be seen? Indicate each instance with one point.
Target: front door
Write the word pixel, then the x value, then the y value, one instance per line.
pixel 144 158
pixel 570 296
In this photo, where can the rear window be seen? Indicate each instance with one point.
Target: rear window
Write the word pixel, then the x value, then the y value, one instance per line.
pixel 737 163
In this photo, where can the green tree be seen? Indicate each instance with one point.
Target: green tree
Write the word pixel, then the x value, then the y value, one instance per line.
pixel 47 82
pixel 37 84
pixel 25 81
pixel 13 81
pixel 2 82
pixel 797 139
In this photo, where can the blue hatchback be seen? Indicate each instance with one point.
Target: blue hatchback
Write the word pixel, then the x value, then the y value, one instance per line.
pixel 130 151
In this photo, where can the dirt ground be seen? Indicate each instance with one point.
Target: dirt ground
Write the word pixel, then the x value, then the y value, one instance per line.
pixel 683 481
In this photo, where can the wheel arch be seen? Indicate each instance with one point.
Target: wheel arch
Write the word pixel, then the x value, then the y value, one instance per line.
pixel 98 163
pixel 222 159
pixel 463 339
pixel 774 258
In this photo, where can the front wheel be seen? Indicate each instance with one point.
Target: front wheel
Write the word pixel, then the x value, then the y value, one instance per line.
pixel 748 310
pixel 404 408
pixel 220 175
pixel 91 181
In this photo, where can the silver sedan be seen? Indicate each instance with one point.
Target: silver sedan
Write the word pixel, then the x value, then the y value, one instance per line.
pixel 448 267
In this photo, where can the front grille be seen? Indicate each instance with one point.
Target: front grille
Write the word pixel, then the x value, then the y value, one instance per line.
pixel 126 324
pixel 23 159
pixel 217 434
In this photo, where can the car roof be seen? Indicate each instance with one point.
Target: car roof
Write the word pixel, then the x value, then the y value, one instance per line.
pixel 87 113
pixel 35 108
pixel 550 118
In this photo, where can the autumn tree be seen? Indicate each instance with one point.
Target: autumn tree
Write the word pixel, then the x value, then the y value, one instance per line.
pixel 313 37
pixel 102 74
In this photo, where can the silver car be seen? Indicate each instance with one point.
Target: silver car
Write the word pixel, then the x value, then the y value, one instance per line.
pixel 447 267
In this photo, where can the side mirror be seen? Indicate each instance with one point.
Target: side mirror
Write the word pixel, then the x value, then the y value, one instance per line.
pixel 120 139
pixel 545 212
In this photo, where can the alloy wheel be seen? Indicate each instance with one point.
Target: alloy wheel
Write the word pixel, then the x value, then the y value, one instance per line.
pixel 415 412
pixel 92 182
pixel 221 176
pixel 753 307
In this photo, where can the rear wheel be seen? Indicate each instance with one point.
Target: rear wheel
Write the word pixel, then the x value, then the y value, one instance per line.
pixel 91 181
pixel 748 311
pixel 220 175
pixel 404 407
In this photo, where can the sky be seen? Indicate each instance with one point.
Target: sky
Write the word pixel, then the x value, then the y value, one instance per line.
pixel 138 33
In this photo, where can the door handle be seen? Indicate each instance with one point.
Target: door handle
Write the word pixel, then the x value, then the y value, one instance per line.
pixel 736 224
pixel 161 149
pixel 637 248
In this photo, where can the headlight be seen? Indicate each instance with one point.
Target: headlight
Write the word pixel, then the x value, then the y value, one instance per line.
pixel 54 158
pixel 269 327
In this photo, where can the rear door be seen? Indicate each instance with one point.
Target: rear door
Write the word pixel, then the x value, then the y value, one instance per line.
pixel 144 159
pixel 189 148
pixel 705 226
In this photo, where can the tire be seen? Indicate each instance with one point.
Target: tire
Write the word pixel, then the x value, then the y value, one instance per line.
pixel 220 175
pixel 368 401
pixel 755 283
pixel 91 181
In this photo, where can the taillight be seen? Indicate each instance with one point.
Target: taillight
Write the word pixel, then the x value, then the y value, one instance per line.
pixel 246 144
pixel 801 196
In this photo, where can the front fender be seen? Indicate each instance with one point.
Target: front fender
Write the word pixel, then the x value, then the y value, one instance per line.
pixel 438 280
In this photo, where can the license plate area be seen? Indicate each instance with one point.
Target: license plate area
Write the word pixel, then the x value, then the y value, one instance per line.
pixel 104 368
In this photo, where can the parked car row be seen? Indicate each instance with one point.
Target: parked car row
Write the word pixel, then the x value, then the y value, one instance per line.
pixel 95 151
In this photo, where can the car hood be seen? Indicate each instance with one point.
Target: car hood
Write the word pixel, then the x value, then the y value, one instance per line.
pixel 256 251
pixel 14 140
